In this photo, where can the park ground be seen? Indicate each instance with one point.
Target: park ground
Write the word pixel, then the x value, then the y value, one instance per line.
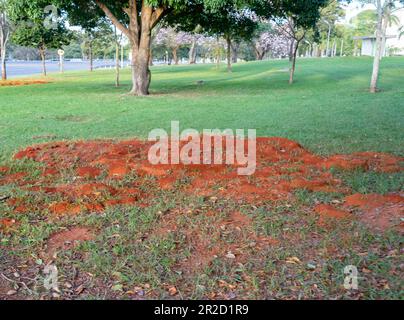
pixel 328 191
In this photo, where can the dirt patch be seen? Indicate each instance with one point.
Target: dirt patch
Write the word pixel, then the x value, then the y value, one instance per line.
pixel 88 172
pixel 68 239
pixel 328 212
pixel 12 83
pixel 379 211
pixel 8 225
pixel 283 166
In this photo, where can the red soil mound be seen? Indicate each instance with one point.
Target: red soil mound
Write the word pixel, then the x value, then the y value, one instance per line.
pixel 379 211
pixel 11 83
pixel 282 167
pixel 67 239
pixel 88 172
pixel 327 212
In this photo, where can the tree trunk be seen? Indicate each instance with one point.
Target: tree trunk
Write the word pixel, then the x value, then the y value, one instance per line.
pixel 229 68
pixel 123 56
pixel 141 74
pixel 43 58
pixel 117 65
pixel 293 68
pixel 175 55
pixel 234 49
pixel 376 60
pixel 3 64
pixel 355 48
pixel 192 53
pixel 342 48
pixel 142 19
pixel 384 35
pixel 90 54
pixel 327 53
pixel 4 35
pixel 292 52
pixel 259 55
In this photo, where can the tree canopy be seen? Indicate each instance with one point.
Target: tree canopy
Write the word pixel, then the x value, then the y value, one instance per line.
pixel 37 24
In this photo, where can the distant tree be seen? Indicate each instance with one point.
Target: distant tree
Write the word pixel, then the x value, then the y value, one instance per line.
pixel 327 24
pixel 5 31
pixel 365 22
pixel 269 40
pixel 173 40
pixel 74 50
pixel 233 24
pixel 98 40
pixel 295 19
pixel 38 25
pixel 22 53
pixel 196 36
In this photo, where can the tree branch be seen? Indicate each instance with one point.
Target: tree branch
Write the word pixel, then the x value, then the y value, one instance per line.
pixel 134 21
pixel 157 15
pixel 113 19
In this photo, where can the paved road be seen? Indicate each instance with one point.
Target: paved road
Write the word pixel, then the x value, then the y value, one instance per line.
pixel 17 69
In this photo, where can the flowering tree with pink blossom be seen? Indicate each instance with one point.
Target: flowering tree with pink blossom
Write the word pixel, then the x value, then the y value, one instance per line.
pixel 173 39
pixel 271 42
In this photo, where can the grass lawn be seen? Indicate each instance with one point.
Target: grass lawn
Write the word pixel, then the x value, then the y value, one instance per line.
pixel 328 109
pixel 139 240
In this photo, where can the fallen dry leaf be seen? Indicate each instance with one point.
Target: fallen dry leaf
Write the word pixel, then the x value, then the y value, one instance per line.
pixel 172 291
pixel 293 260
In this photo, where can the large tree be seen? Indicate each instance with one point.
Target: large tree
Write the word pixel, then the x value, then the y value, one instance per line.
pixel 135 19
pixel 38 25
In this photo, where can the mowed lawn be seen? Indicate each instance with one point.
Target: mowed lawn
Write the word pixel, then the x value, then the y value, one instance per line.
pixel 126 235
pixel 328 109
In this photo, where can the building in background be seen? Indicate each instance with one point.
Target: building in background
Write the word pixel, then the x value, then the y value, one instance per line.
pixel 369 46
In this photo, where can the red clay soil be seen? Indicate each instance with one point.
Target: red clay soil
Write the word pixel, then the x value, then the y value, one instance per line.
pixel 67 239
pixel 378 211
pixel 328 212
pixel 7 225
pixel 12 83
pixel 282 167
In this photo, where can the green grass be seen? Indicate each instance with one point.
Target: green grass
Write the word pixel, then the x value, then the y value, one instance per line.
pixel 328 109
